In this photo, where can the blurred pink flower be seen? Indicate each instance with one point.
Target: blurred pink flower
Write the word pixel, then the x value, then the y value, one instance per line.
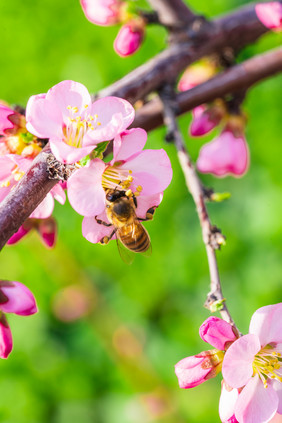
pixel 102 12
pixel 205 119
pixel 46 228
pixel 253 362
pixel 72 123
pixel 196 74
pixel 270 15
pixel 14 298
pixel 129 38
pixel 226 154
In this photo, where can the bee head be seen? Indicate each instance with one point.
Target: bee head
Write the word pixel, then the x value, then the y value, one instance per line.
pixel 113 195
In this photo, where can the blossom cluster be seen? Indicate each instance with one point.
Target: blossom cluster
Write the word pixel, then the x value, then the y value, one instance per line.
pixel 111 12
pixel 251 366
pixel 226 154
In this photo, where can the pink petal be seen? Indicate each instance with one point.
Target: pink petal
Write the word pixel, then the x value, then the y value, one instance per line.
pixel 192 371
pixel 44 209
pixel 5 123
pixel 266 323
pixel 202 122
pixel 114 114
pixel 217 332
pixel 85 191
pixel 94 231
pixel 276 419
pixel 43 117
pixel 151 169
pixel 68 154
pixel 256 404
pixel 101 12
pixel 47 229
pixel 129 143
pixel 228 399
pixel 237 366
pixel 6 341
pixel 224 155
pixel 277 386
pixel 144 203
pixel 47 113
pixel 18 235
pixel 270 14
pixel 20 299
pixel 128 40
pixel 58 193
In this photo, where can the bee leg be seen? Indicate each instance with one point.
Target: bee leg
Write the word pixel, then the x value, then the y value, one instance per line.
pixel 149 214
pixel 106 239
pixel 101 222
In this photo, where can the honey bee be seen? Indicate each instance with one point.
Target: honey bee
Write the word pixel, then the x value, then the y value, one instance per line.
pixel 121 213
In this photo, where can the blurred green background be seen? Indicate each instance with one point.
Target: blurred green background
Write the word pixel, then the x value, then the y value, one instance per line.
pixel 115 364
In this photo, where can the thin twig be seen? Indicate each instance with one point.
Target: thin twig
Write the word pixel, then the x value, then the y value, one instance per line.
pixel 211 235
pixel 173 14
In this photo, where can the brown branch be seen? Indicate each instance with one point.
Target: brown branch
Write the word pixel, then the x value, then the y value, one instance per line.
pixel 239 77
pixel 173 14
pixel 232 31
pixel 235 30
pixel 211 235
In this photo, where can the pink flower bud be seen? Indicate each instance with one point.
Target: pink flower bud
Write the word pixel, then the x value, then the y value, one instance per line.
pixel 194 370
pixel 196 74
pixel 217 332
pixel 101 12
pixel 47 229
pixel 204 120
pixel 226 154
pixel 129 39
pixel 16 298
pixel 6 341
pixel 22 231
pixel 270 15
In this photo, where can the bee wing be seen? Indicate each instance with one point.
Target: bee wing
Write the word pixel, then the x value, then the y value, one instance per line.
pixel 126 255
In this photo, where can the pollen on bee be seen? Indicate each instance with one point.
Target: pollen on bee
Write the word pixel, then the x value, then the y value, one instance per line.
pixel 128 193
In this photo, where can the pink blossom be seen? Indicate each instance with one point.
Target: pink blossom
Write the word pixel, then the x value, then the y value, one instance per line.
pixel 102 12
pixel 73 124
pixel 14 298
pixel 270 15
pixel 217 332
pixel 196 74
pixel 204 121
pixel 12 169
pixel 253 363
pixel 194 370
pixel 129 39
pixel 226 154
pixel 144 172
pixel 46 228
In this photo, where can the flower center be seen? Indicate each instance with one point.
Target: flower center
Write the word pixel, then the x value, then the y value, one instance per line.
pixel 267 364
pixel 15 176
pixel 119 179
pixel 78 126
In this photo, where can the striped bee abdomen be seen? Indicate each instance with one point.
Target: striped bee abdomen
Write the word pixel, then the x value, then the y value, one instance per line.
pixel 134 237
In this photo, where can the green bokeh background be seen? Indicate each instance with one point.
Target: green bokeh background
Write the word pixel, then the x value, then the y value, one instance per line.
pixel 116 363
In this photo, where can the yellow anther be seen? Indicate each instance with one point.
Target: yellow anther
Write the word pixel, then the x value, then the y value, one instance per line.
pixel 99 124
pixel 128 193
pixel 69 107
pixel 90 117
pixel 75 109
pixel 86 105
pixel 96 116
pixel 18 176
pixel 130 178
pixel 90 126
pixel 78 118
pixel 137 194
pixel 139 188
pixel 130 171
pixel 5 184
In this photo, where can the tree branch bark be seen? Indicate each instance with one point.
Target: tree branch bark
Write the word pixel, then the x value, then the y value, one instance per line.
pixel 174 14
pixel 239 77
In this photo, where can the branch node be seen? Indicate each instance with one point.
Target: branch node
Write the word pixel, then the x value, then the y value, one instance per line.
pixel 216 238
pixel 57 170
